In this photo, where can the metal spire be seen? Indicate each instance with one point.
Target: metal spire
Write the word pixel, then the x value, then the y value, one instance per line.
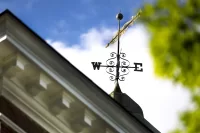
pixel 119 18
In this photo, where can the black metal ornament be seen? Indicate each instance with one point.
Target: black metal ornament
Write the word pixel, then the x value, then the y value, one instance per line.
pixel 119 69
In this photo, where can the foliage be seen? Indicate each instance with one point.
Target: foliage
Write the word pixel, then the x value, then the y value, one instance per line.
pixel 175 47
pixel 175 42
pixel 190 118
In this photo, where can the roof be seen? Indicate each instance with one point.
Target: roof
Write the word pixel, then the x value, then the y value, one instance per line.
pixel 84 78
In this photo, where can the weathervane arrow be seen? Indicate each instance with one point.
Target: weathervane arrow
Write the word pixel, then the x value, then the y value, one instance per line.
pixel 124 65
pixel 124 28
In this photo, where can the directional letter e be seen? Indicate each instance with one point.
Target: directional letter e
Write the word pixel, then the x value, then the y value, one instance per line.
pixel 96 65
pixel 137 68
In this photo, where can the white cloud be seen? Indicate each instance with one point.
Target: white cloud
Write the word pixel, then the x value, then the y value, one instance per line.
pixel 159 99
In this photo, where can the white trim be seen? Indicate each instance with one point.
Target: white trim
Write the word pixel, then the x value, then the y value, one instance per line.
pixel 3 38
pixel 32 108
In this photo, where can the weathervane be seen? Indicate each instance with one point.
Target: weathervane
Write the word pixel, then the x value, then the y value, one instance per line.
pixel 113 68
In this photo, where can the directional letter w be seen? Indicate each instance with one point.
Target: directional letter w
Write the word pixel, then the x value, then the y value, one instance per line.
pixel 96 65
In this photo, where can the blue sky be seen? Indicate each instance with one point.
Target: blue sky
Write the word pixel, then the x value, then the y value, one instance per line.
pixel 67 19
pixel 71 25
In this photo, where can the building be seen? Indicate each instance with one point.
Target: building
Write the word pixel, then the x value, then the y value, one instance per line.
pixel 41 92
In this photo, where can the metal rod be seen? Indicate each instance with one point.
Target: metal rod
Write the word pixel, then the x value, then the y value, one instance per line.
pixel 118 55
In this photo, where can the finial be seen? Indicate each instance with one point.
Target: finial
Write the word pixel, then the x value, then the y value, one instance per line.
pixel 116 90
pixel 119 16
pixel 117 87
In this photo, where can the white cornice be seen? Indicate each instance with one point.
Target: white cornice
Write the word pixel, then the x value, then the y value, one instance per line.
pixel 32 108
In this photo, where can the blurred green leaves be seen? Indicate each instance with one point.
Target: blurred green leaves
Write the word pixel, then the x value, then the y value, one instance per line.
pixel 175 47
pixel 175 42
